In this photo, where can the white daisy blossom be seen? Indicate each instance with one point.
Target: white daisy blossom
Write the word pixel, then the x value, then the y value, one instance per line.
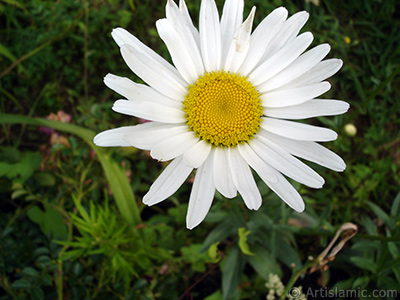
pixel 227 105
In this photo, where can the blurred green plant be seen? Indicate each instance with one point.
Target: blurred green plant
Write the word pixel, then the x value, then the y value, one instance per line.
pixel 117 179
pixel 53 55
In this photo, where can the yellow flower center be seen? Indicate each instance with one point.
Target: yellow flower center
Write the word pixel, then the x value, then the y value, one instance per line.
pixel 223 109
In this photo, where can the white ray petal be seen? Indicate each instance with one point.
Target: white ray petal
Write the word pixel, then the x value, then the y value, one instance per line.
pixel 210 35
pixel 150 111
pixel 275 181
pixel 173 146
pixel 146 136
pixel 281 160
pixel 182 51
pixel 320 72
pixel 222 174
pixel 308 150
pixel 202 195
pixel 261 37
pixel 123 37
pixel 244 180
pixel 309 109
pixel 169 181
pixel 281 59
pixel 287 193
pixel 188 21
pixel 286 34
pixel 113 137
pixel 259 165
pixel 299 67
pixel 181 21
pixel 154 74
pixel 240 44
pixel 232 17
pixel 138 92
pixel 298 131
pixel 197 154
pixel 283 98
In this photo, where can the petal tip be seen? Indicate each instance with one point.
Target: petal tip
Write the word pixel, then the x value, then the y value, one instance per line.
pixel 300 208
pixel 96 140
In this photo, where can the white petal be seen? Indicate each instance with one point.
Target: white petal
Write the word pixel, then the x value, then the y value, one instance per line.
pixel 123 37
pixel 222 174
pixel 300 66
pixel 309 109
pixel 197 154
pixel 190 67
pixel 113 137
pixel 146 136
pixel 286 163
pixel 189 34
pixel 287 193
pixel 140 92
pixel 202 195
pixel 286 33
pixel 272 178
pixel 154 74
pixel 320 72
pixel 261 38
pixel 188 21
pixel 149 111
pixel 309 150
pixel 289 97
pixel 240 44
pixel 259 165
pixel 232 17
pixel 298 131
pixel 173 176
pixel 173 146
pixel 244 180
pixel 210 35
pixel 281 59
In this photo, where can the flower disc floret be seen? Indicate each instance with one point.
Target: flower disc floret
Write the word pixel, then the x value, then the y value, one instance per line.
pixel 223 108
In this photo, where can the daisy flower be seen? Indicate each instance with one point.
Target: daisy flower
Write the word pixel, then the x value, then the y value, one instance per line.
pixel 227 105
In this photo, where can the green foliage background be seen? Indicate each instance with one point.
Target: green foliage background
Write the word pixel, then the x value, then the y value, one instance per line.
pixel 72 225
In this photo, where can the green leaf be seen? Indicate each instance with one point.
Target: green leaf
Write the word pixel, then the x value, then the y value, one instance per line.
pixel 49 220
pixel 343 285
pixel 18 193
pixel 114 173
pixel 215 296
pixel 35 214
pixel 286 253
pixel 243 241
pixel 219 233
pixel 3 50
pixel 41 251
pixel 369 225
pixel 382 215
pixel 15 3
pixel 231 273
pixel 395 210
pixel 37 293
pixel 198 260
pixel 46 279
pixel 361 282
pixel 363 263
pixel 264 263
pixel 21 284
pixel 18 165
pixel 30 272
pixel 213 253
pixel 45 179
pixel 81 210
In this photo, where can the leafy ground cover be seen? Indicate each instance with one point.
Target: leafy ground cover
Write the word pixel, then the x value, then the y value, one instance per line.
pixel 72 225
